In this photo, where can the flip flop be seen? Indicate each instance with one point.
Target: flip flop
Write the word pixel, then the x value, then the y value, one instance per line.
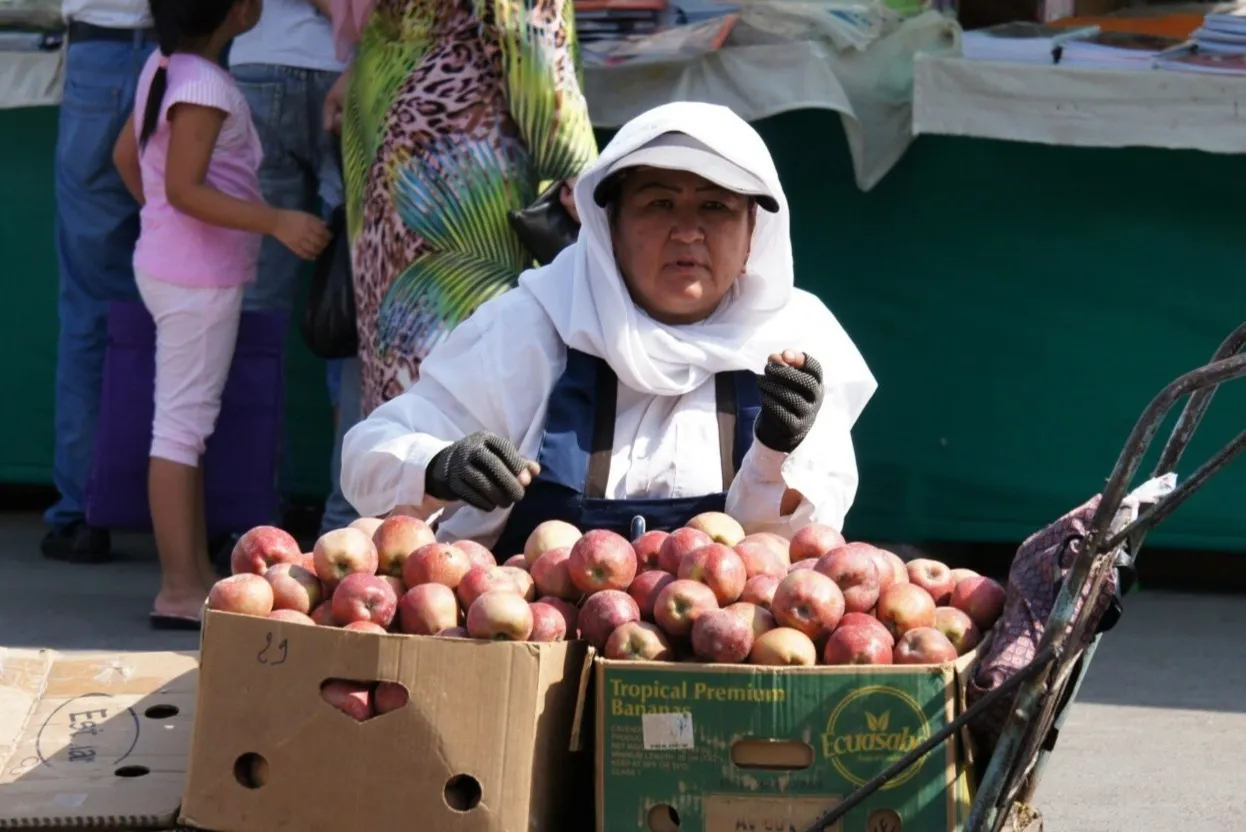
pixel 174 622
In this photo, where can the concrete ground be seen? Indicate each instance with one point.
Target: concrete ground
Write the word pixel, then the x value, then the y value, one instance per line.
pixel 1152 745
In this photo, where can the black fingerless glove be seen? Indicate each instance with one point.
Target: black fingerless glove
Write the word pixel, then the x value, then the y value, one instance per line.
pixel 482 470
pixel 790 400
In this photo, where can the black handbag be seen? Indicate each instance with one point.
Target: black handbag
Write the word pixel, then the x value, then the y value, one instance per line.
pixel 328 324
pixel 545 227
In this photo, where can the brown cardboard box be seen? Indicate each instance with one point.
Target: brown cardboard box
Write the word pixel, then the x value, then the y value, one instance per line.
pixel 488 730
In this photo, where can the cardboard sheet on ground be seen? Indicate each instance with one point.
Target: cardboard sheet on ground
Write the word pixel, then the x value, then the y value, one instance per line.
pixel 96 739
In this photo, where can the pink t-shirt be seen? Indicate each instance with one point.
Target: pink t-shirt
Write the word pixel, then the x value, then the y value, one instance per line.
pixel 173 246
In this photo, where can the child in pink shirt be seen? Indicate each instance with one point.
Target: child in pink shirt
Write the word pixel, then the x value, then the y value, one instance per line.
pixel 191 159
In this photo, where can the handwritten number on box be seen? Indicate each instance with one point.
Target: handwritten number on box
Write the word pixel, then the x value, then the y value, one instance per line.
pixel 273 654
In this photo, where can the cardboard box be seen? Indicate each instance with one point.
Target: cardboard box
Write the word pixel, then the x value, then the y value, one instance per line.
pixel 732 747
pixel 94 739
pixel 484 743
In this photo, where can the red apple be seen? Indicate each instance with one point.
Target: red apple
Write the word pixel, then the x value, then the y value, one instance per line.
pixel 480 580
pixel 455 632
pixel 308 562
pixel 351 698
pixel 436 563
pixel 760 558
pixel 924 645
pixel 548 623
pixel 601 560
pixel 982 599
pixel 857 645
pixel 262 547
pixel 882 564
pixel 759 618
pixel 362 597
pixel 718 567
pixel 807 563
pixel 680 603
pixel 396 538
pixel 808 601
pixel 783 647
pixel 777 543
pixel 645 590
pixel 899 570
pixel 959 575
pixel 477 554
pixel 679 543
pixel 647 547
pixel 245 593
pixel 604 612
pixel 855 573
pixel 291 616
pixel 760 590
pixel 323 614
pixel 517 562
pixel 389 696
pixel 552 534
pixel 959 629
pixel 861 619
pixel 637 641
pixel 722 528
pixel 501 615
pixel 569 612
pixel 524 582
pixel 550 574
pixel 722 637
pixel 934 577
pixel 366 627
pixel 367 525
pixel 813 541
pixel 395 584
pixel 344 552
pixel 427 609
pixel 905 607
pixel 294 588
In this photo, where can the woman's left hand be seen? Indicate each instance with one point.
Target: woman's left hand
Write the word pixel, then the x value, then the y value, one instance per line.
pixel 567 197
pixel 791 396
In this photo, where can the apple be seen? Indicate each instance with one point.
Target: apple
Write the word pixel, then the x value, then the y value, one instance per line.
pixel 323 614
pixel 959 575
pixel 644 590
pixel 759 618
pixel 807 563
pixel 549 573
pixel 480 580
pixel 477 554
pixel 427 609
pixel 722 528
pixel 500 615
pixel 905 607
pixel 680 603
pixel 294 588
pixel 855 573
pixel 934 577
pixel 395 584
pixel 516 562
pixel 523 580
pixel 899 569
pixel 808 601
pixel 367 525
pixel 436 563
pixel 601 560
pixel 308 562
pixel 291 616
pixel 924 645
pixel 861 619
pixel 366 627
pixel 551 534
pixel 777 543
pixel 679 543
pixel 722 637
pixel 760 590
pixel 637 641
pixel 396 538
pixel 569 612
pixel 351 698
pixel 604 612
pixel 245 593
pixel 982 599
pixel 389 696
pixel 718 567
pixel 882 564
pixel 343 552
pixel 262 547
pixel 455 632
pixel 647 547
pixel 959 629
pixel 813 541
pixel 783 647
pixel 362 597
pixel 760 558
pixel 857 645
pixel 548 623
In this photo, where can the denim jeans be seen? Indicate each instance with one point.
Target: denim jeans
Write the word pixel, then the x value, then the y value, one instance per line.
pixel 299 172
pixel 96 228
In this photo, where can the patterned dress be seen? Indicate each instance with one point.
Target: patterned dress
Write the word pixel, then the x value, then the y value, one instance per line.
pixel 458 112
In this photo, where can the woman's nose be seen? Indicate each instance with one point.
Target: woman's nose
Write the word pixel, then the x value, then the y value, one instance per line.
pixel 685 231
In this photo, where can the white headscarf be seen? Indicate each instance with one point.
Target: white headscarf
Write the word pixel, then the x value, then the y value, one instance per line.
pixel 585 297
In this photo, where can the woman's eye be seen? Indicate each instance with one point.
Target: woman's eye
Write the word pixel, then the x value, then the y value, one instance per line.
pixel 660 203
pixel 714 205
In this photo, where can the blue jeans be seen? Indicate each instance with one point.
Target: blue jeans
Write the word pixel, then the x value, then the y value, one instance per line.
pixel 96 228
pixel 299 172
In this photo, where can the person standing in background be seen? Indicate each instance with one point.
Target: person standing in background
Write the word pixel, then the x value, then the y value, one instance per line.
pixel 96 228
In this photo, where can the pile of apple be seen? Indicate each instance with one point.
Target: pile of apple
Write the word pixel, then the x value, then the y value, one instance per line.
pixel 706 592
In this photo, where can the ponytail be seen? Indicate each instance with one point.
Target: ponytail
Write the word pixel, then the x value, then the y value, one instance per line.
pixel 155 98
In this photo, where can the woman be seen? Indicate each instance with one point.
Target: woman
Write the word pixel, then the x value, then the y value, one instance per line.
pixel 456 112
pixel 619 380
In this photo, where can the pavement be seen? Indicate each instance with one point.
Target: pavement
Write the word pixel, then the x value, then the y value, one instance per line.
pixel 1151 744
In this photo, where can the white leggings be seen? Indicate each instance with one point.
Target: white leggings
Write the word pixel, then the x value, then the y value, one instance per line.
pixel 196 329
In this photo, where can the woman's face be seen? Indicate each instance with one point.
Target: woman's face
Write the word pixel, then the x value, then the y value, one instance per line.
pixel 680 242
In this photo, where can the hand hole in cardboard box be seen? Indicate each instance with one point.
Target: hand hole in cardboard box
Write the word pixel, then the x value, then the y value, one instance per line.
pixel 251 771
pixel 662 818
pixel 772 755
pixel 462 793
pixel 364 700
pixel 161 712
pixel 132 771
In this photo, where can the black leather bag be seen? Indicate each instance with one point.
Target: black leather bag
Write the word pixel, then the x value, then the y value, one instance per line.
pixel 545 227
pixel 328 324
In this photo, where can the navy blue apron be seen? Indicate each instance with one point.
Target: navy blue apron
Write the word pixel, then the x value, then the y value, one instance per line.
pixel 579 441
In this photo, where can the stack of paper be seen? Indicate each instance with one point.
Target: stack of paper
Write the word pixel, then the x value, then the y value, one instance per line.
pixel 1218 47
pixel 1021 42
pixel 1116 50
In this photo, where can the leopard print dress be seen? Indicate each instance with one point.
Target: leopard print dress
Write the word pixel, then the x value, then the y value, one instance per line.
pixel 458 112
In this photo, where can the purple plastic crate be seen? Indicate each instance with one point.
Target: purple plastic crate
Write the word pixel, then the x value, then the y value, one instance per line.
pixel 240 462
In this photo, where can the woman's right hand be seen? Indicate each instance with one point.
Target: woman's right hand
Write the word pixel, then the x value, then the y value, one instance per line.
pixel 302 233
pixel 335 103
